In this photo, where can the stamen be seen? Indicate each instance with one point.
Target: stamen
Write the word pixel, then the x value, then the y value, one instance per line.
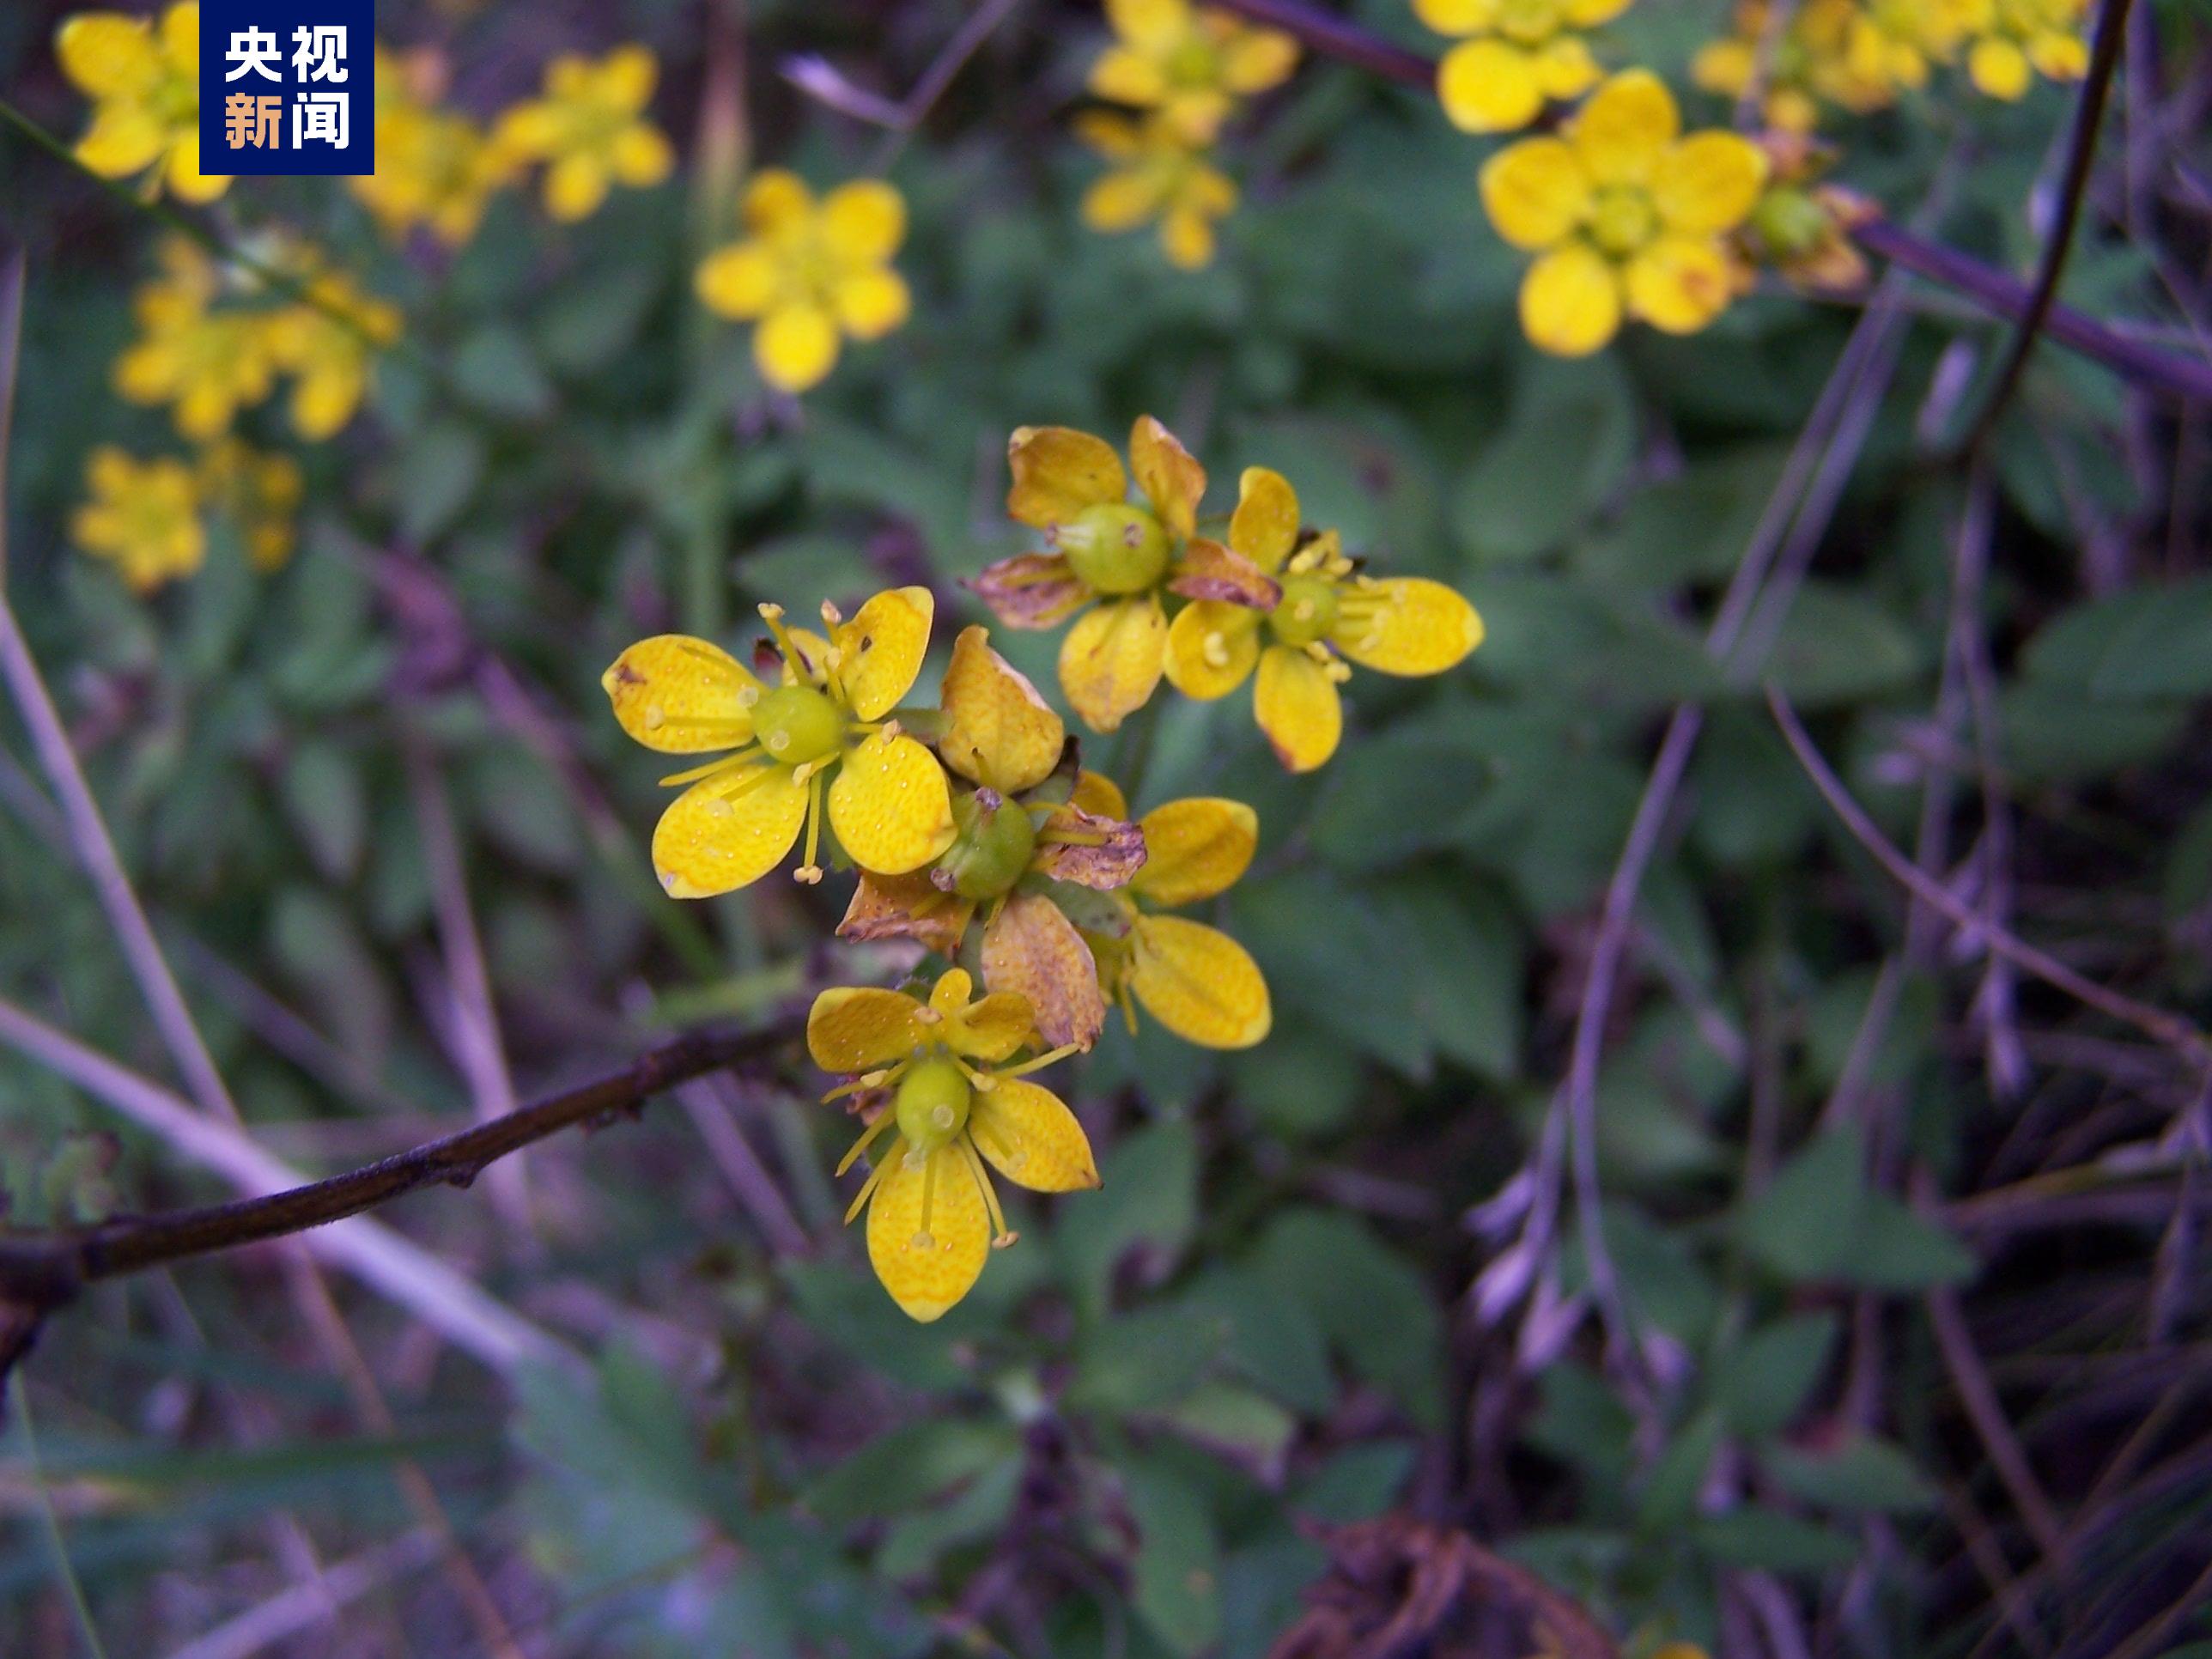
pixel 983 1081
pixel 861 1145
pixel 719 763
pixel 1215 649
pixel 1001 1235
pixel 810 873
pixel 924 1239
pixel 875 1179
pixel 1052 1057
pixel 1129 1006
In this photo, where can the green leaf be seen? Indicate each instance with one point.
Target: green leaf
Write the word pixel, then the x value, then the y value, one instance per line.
pixel 1271 1339
pixel 1763 1384
pixel 323 795
pixel 1806 1223
pixel 1236 1423
pixel 1378 1312
pixel 1757 1537
pixel 904 1469
pixel 1357 1484
pixel 2163 650
pixel 1899 1250
pixel 496 370
pixel 1864 1473
pixel 1148 1197
pixel 435 475
pixel 1669 1496
pixel 1839 647
pixel 1176 1576
pixel 1144 1360
pixel 1565 449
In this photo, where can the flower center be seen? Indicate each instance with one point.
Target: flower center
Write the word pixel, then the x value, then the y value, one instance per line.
pixel 1790 222
pixel 1622 221
pixel 995 844
pixel 796 723
pixel 1530 22
pixel 1193 64
pixel 1307 610
pixel 931 1103
pixel 1114 548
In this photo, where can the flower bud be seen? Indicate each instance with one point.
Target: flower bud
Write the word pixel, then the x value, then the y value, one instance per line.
pixel 995 843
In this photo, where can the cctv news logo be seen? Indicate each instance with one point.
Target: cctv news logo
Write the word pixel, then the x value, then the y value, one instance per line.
pixel 288 87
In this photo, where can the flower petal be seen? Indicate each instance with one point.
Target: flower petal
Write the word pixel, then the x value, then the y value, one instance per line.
pixel 682 695
pixel 1680 284
pixel 1626 126
pixel 1171 480
pixel 123 138
pixel 641 156
pixel 575 185
pixel 1254 60
pixel 1570 302
pixel 2000 68
pixel 998 731
pixel 1030 590
pixel 880 649
pixel 777 202
pixel 1212 648
pixel 627 76
pixel 180 38
pixel 1457 16
pixel 1122 200
pixel 1588 13
pixel 1110 852
pixel 870 304
pixel 993 1028
pixel 1157 27
pixel 927 1268
pixel 906 906
pixel 1031 1138
pixel 1111 661
pixel 1265 527
pixel 795 346
pixel 727 830
pixel 1296 704
pixel 1123 76
pixel 1031 948
pixel 1708 183
pixel 863 222
pixel 108 55
pixel 1208 570
pixel 1097 793
pixel 1535 192
pixel 1406 625
pixel 1058 471
pixel 1194 848
pixel 890 805
pixel 1198 982
pixel 1490 85
pixel 1564 68
pixel 2059 55
pixel 739 281
pixel 861 1029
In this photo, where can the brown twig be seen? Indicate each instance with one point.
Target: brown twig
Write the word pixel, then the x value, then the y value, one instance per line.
pixel 2073 185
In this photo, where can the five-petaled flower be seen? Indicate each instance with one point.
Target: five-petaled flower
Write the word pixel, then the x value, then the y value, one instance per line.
pixel 1628 216
pixel 329 341
pixel 1159 177
pixel 2014 40
pixel 258 493
pixel 207 362
pixel 810 272
pixel 1515 56
pixel 1190 63
pixel 145 82
pixel 939 1073
pixel 1195 980
pixel 590 129
pixel 1025 854
pixel 1103 551
pixel 434 167
pixel 828 713
pixel 1315 608
pixel 143 517
pixel 1858 56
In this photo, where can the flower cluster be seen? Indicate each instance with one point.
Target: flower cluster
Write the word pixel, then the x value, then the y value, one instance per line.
pixel 1513 57
pixel 143 79
pixel 437 169
pixel 1178 70
pixel 149 518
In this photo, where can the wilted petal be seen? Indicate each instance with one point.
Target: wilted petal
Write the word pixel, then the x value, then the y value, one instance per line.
pixel 998 729
pixel 1210 571
pixel 1171 480
pixel 907 906
pixel 1092 852
pixel 1031 948
pixel 1058 471
pixel 1030 590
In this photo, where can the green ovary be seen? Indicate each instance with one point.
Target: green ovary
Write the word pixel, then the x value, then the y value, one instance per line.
pixel 796 723
pixel 931 1103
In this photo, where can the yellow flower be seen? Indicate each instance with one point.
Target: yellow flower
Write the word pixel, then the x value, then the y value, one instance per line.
pixel 1196 981
pixel 434 167
pixel 1320 611
pixel 1101 548
pixel 145 82
pixel 809 272
pixel 207 363
pixel 143 517
pixel 258 493
pixel 954 1106
pixel 1161 177
pixel 1515 55
pixel 589 128
pixel 330 347
pixel 1801 227
pixel 1628 216
pixel 1189 64
pixel 1025 854
pixel 2014 40
pixel 890 805
pixel 1854 54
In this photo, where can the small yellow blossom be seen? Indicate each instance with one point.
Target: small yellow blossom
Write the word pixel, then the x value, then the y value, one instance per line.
pixel 1160 177
pixel 890 805
pixel 1857 55
pixel 330 347
pixel 1513 56
pixel 435 168
pixel 206 361
pixel 2016 41
pixel 1103 551
pixel 258 493
pixel 589 128
pixel 1025 854
pixel 1190 63
pixel 1628 216
pixel 145 81
pixel 1321 610
pixel 143 517
pixel 809 272
pixel 1195 980
pixel 1801 227
pixel 955 1109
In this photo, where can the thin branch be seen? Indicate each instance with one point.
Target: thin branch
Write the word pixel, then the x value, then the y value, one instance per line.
pixel 2080 153
pixel 44 1270
pixel 2181 376
pixel 2167 1028
pixel 1986 1413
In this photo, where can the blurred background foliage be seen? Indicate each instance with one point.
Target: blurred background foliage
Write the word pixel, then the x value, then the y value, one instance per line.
pixel 1127 1439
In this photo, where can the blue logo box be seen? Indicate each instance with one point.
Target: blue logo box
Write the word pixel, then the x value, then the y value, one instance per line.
pixel 288 87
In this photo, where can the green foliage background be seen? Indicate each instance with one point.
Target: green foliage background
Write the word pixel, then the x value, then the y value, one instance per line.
pixel 1123 1442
